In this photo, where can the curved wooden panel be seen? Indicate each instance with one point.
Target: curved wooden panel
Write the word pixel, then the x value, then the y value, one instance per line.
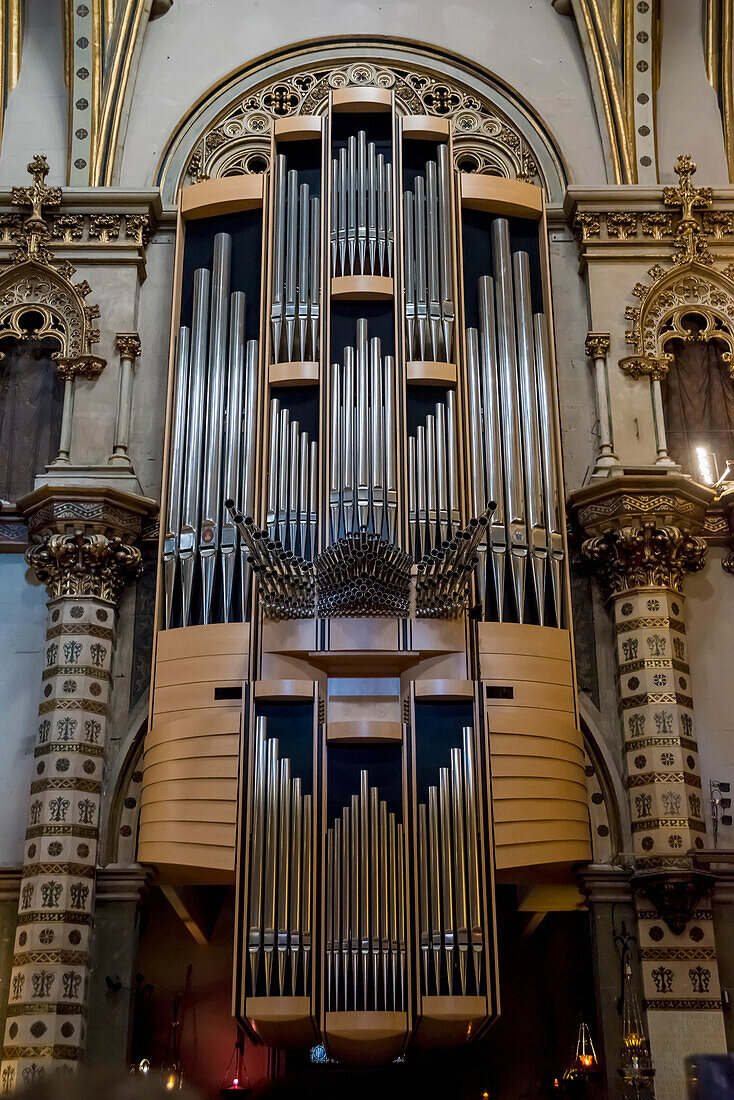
pixel 191 762
pixel 361 100
pixel 497 195
pixel 539 800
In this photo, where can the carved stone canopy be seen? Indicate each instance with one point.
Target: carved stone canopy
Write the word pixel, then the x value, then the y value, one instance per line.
pixel 38 300
pixel 690 299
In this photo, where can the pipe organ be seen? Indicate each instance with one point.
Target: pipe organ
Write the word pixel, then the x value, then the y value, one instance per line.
pixel 363 709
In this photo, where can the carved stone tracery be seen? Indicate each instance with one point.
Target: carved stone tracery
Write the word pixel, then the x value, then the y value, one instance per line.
pixel 691 285
pixel 38 299
pixel 239 140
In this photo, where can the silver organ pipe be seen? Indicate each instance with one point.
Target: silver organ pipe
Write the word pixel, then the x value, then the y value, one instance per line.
pixel 190 509
pixel 511 438
pixel 211 497
pixel 178 445
pixel 450 932
pixel 530 425
pixel 363 456
pixel 232 442
pixel 295 267
pixel 554 510
pixel 211 455
pixel 433 492
pixel 365 907
pixel 429 293
pixel 361 225
pixel 280 870
pixel 292 488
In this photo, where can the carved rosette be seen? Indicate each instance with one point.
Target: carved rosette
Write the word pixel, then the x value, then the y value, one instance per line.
pixel 642 557
pixel 79 564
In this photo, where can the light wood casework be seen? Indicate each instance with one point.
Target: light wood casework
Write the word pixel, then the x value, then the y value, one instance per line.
pixel 539 798
pixel 188 813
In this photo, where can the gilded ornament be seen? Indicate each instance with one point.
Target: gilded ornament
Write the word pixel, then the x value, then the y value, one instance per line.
pixel 690 286
pixel 597 345
pixel 656 225
pixel 128 344
pixel 35 283
pixel 647 556
pixel 622 225
pixel 105 227
pixel 82 564
pixel 587 226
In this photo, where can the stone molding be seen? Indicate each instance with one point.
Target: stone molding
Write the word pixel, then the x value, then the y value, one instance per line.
pixel 115 882
pixel 605 883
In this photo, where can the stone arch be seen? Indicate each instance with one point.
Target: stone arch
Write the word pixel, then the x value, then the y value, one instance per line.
pixel 33 287
pixel 606 796
pixel 121 812
pixel 228 130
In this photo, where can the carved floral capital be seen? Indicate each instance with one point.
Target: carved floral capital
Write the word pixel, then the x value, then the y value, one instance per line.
pixel 82 366
pixel 642 557
pixel 128 344
pixel 84 564
pixel 597 345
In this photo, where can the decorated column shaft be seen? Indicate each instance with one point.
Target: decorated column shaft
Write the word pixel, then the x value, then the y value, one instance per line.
pixel 85 566
pixel 640 556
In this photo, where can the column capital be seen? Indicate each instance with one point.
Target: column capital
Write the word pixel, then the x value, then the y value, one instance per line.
pixel 83 540
pixel 597 345
pixel 641 530
pixel 643 557
pixel 128 344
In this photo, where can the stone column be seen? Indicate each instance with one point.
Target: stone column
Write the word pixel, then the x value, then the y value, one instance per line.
pixel 640 542
pixel 597 349
pixel 128 345
pixel 82 552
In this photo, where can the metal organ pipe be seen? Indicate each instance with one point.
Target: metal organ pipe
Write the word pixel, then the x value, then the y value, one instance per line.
pixel 363 461
pixel 512 440
pixel 280 891
pixel 449 910
pixel 362 233
pixel 429 295
pixel 211 458
pixel 292 487
pixel 365 907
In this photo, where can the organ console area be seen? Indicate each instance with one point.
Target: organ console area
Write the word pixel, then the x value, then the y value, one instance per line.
pixel 363 711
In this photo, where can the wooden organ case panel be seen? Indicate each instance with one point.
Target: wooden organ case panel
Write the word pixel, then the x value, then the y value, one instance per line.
pixel 363 700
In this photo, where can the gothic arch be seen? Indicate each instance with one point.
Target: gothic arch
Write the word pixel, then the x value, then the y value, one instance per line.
pixel 39 301
pixel 692 288
pixel 228 130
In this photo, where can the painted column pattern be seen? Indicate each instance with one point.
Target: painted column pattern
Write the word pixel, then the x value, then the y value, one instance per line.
pixel 45 1025
pixel 641 571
